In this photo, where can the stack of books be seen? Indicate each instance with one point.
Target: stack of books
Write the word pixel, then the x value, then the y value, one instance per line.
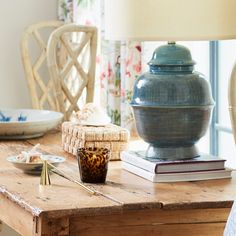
pixel 204 167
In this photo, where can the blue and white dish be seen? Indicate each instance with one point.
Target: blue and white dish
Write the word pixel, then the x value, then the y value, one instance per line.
pixel 4 118
pixel 27 123
pixel 35 168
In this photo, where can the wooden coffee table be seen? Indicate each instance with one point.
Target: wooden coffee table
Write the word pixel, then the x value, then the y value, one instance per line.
pixel 127 204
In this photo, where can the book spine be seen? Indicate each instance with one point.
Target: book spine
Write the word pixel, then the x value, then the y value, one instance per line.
pixel 179 166
pixel 139 162
pixel 137 171
pixel 162 178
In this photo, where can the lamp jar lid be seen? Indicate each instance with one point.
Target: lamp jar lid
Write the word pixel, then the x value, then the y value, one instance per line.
pixel 172 55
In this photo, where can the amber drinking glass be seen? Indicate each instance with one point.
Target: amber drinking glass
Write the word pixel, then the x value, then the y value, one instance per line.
pixel 93 164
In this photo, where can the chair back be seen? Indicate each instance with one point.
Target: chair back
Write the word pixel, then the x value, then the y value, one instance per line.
pixel 74 80
pixel 33 53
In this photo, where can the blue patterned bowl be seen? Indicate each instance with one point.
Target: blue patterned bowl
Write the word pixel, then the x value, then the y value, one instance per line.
pixel 27 123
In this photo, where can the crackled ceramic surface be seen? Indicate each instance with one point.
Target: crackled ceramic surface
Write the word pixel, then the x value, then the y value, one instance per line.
pixel 27 123
pixel 172 104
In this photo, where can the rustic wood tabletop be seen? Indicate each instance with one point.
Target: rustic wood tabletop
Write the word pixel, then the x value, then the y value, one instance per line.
pixel 125 205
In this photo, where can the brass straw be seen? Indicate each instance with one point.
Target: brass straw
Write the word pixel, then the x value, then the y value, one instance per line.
pixel 64 175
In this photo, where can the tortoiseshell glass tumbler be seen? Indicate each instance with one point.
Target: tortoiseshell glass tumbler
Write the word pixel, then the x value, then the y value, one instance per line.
pixel 93 164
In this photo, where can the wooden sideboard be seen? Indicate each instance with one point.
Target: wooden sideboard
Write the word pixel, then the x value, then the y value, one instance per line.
pixel 126 205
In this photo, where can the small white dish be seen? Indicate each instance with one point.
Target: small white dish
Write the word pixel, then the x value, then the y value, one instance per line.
pixel 35 124
pixel 35 168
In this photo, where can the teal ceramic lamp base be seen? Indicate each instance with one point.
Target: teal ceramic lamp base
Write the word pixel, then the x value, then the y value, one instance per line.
pixel 172 104
pixel 172 153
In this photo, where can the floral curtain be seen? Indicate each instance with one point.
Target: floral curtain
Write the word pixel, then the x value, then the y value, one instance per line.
pixel 118 63
pixel 65 10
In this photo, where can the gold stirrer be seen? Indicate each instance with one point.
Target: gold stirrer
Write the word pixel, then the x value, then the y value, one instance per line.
pixel 45 178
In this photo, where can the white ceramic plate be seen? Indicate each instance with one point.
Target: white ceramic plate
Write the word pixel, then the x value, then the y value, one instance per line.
pixel 35 168
pixel 37 123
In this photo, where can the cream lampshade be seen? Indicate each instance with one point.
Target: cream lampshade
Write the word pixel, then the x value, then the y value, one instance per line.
pixel 172 104
pixel 170 20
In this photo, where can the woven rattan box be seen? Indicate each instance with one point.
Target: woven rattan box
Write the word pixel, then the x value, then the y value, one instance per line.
pixel 111 136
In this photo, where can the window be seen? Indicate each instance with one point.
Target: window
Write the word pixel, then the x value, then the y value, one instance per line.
pixel 215 60
pixel 226 59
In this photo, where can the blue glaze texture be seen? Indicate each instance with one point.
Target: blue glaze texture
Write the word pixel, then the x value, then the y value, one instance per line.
pixel 172 103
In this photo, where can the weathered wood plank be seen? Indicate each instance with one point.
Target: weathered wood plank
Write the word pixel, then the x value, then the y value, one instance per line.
pixel 138 206
pixel 136 192
pixel 62 198
pixel 181 195
pixel 55 227
pixel 153 222
pixel 151 217
pixel 16 217
pixel 206 229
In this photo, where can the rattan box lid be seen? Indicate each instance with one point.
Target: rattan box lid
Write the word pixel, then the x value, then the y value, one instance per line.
pixel 96 133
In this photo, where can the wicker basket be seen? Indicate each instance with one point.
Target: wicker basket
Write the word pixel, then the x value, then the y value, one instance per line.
pixel 113 137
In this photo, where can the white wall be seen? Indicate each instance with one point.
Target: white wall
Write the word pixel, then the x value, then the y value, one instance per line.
pixel 15 15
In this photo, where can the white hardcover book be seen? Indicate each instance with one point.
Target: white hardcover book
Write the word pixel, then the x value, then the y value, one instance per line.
pixel 177 177
pixel 204 162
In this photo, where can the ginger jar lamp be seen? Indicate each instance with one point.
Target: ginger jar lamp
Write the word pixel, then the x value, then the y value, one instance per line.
pixel 172 103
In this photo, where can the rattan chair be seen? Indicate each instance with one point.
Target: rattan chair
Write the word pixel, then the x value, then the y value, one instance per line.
pixel 74 80
pixel 33 51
